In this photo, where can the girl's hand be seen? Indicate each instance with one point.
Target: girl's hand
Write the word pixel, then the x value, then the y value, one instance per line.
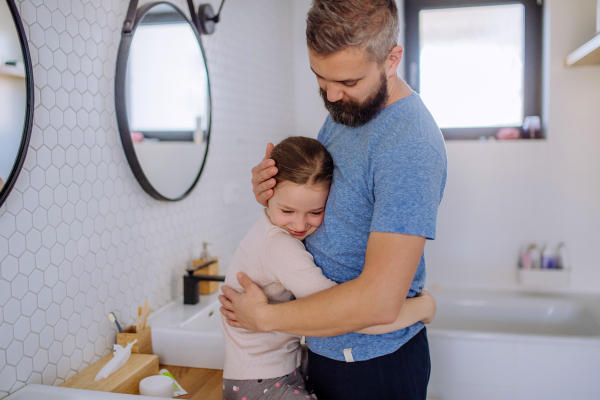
pixel 245 310
pixel 431 305
pixel 262 174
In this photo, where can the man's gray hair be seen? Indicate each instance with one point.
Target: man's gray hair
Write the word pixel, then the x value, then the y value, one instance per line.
pixel 334 25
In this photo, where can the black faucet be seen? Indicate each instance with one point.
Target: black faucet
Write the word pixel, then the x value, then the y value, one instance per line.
pixel 191 292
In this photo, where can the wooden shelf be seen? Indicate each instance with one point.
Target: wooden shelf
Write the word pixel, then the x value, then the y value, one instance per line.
pixel 12 71
pixel 588 54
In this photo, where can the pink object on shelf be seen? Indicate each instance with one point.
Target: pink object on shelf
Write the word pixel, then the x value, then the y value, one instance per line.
pixel 508 134
pixel 137 136
pixel 526 261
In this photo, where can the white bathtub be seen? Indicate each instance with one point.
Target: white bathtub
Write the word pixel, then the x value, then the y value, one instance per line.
pixel 518 346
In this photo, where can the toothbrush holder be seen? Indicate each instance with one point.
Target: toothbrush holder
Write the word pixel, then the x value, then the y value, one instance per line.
pixel 144 339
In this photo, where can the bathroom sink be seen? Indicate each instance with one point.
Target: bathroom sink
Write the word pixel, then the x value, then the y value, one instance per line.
pixel 189 335
pixel 47 392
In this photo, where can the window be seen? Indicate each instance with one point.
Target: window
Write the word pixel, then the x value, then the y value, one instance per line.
pixel 475 63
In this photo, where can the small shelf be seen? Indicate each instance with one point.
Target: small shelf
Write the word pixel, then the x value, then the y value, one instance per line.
pixel 588 54
pixel 544 278
pixel 12 71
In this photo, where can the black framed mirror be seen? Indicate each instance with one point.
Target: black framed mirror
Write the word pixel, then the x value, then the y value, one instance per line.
pixel 16 97
pixel 163 100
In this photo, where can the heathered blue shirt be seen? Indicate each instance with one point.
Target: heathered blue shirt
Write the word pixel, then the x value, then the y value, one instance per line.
pixel 389 176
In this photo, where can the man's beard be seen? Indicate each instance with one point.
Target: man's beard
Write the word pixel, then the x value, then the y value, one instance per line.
pixel 352 113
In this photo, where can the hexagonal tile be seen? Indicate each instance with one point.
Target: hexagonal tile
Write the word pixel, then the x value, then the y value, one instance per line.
pixel 55 352
pixel 52 40
pixel 6 335
pixel 24 368
pixel 36 281
pixel 45 299
pixel 58 155
pixel 22 328
pixel 42 258
pixel 46 201
pixel 49 374
pixel 7 378
pixel 14 202
pixel 9 268
pixel 40 360
pixel 46 337
pixel 31 344
pixel 68 345
pixel 16 244
pixel 54 80
pixel 12 311
pixel 29 304
pixel 38 321
pixel 14 353
pixel 66 308
pixel 24 221
pixel 3 248
pixel 27 263
pixel 81 338
pixel 19 286
pixel 57 254
pixel 59 292
pixel 31 199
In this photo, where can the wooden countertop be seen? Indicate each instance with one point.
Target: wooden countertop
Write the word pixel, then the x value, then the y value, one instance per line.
pixel 200 383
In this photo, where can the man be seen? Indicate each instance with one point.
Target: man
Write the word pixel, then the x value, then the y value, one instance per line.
pixel 389 178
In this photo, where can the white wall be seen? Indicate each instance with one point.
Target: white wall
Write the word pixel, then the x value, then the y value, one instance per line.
pixel 309 110
pixel 78 236
pixel 500 196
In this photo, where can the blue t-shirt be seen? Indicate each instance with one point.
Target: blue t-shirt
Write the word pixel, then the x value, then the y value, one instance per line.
pixel 389 176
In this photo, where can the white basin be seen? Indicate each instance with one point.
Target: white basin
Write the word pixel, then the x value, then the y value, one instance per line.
pixel 189 335
pixel 46 392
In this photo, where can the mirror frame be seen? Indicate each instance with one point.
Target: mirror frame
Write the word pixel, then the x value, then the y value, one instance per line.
pixel 132 21
pixel 28 123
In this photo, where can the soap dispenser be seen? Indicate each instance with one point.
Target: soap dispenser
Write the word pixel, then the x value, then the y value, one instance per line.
pixel 212 269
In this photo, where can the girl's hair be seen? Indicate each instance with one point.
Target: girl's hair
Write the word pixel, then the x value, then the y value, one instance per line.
pixel 303 161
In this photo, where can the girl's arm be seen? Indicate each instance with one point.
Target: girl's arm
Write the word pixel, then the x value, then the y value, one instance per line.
pixel 421 308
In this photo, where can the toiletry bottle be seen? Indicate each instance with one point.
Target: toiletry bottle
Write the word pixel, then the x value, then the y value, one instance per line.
pixel 536 256
pixel 525 260
pixel 213 269
pixel 563 256
pixel 548 259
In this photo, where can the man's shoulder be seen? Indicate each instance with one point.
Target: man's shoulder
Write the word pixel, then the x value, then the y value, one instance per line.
pixel 408 126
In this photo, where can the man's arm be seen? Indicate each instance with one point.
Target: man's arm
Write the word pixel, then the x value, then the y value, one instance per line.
pixel 374 298
pixel 417 309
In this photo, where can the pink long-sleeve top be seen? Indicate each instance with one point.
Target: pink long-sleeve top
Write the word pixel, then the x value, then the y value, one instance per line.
pixel 280 265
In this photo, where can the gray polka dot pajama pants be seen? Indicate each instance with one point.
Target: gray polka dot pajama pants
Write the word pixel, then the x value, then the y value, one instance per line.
pixel 290 386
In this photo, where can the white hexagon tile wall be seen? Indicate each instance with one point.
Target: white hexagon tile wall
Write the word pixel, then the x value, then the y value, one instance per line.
pixel 78 236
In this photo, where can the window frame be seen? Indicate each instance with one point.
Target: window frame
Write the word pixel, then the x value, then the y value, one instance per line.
pixel 532 77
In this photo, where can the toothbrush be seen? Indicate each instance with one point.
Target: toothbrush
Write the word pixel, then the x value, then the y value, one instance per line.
pixel 112 318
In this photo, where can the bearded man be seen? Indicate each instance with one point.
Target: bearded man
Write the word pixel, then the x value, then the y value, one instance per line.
pixel 389 178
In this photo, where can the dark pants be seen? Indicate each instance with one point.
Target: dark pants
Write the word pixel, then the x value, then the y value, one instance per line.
pixel 401 375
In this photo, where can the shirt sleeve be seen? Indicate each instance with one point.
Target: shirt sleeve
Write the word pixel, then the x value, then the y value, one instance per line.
pixel 408 183
pixel 287 261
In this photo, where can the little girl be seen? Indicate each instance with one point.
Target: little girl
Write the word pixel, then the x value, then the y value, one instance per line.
pixel 265 365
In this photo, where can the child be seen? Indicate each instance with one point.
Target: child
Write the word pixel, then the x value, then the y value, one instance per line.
pixel 265 365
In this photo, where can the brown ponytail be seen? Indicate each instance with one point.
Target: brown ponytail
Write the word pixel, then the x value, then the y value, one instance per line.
pixel 302 160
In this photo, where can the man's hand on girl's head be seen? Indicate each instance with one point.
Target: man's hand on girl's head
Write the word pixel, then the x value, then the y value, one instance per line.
pixel 246 310
pixel 262 184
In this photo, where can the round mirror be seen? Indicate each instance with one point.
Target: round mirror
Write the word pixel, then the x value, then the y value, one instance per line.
pixel 163 101
pixel 16 97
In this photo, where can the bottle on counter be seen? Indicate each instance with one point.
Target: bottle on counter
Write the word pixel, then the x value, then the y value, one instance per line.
pixel 213 269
